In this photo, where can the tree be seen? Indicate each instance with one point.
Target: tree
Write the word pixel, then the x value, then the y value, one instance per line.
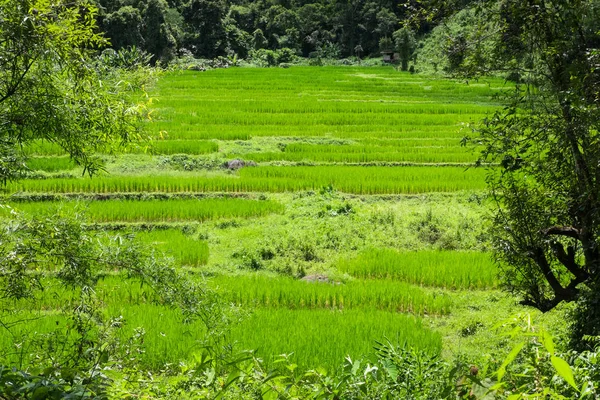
pixel 543 152
pixel 51 88
pixel 259 41
pixel 158 37
pixel 406 44
pixel 206 35
pixel 124 28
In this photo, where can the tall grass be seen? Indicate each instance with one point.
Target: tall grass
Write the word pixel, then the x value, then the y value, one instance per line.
pixel 348 179
pixel 447 269
pixel 184 249
pixel 325 337
pixel 284 292
pixel 172 210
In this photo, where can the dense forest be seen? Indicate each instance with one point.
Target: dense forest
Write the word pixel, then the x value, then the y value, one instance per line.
pixel 211 28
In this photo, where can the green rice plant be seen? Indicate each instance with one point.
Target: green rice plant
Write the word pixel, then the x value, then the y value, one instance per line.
pixel 316 337
pixel 43 148
pixel 447 269
pixel 184 249
pixel 414 151
pixel 195 147
pixel 325 337
pixel 347 179
pixel 50 164
pixel 333 101
pixel 313 337
pixel 173 210
pixel 282 292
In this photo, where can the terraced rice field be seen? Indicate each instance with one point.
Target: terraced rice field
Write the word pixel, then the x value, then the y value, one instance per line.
pixel 330 157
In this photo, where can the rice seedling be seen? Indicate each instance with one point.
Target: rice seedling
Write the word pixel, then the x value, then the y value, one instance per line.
pixel 348 179
pixel 43 148
pixel 313 337
pixel 50 164
pixel 173 210
pixel 325 337
pixel 185 250
pixel 447 269
pixel 195 147
pixel 414 151
pixel 342 102
pixel 291 293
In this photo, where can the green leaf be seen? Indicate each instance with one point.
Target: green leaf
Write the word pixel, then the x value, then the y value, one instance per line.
pixel 40 393
pixel 547 341
pixel 564 370
pixel 509 358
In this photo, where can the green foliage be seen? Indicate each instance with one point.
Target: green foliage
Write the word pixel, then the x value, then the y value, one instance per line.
pixel 271 58
pixel 124 28
pixel 406 44
pixel 130 58
pixel 545 222
pixel 206 35
pixel 158 37
pixel 77 106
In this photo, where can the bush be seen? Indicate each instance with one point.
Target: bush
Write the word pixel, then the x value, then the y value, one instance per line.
pixel 273 58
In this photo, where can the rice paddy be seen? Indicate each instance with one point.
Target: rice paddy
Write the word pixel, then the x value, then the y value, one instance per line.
pixel 347 179
pixel 401 151
pixel 447 269
pixel 355 102
pixel 185 249
pixel 321 134
pixel 175 210
pixel 291 293
pixel 311 336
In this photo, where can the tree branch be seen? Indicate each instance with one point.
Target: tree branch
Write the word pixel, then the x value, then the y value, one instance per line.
pixel 568 260
pixel 567 231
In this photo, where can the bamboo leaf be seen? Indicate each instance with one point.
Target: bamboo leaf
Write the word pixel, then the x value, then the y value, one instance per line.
pixel 509 358
pixel 547 341
pixel 564 370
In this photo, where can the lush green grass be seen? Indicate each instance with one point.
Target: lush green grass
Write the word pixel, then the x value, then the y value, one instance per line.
pixel 43 148
pixel 340 102
pixel 326 337
pixel 409 150
pixel 167 147
pixel 298 294
pixel 348 179
pixel 447 269
pixel 173 210
pixel 50 164
pixel 184 249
